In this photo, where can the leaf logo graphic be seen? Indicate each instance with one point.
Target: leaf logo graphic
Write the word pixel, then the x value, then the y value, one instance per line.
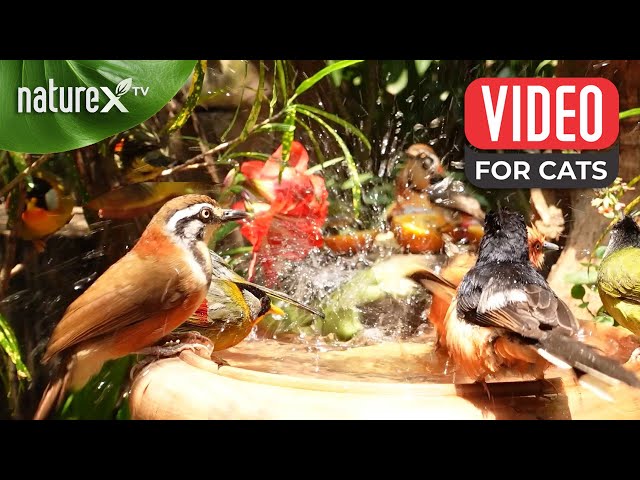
pixel 123 87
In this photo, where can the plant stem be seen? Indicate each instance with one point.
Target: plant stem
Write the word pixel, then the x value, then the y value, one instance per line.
pixel 10 245
pixel 223 146
pixel 203 142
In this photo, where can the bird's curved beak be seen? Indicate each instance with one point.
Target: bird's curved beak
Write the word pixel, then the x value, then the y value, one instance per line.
pixel 550 246
pixel 229 215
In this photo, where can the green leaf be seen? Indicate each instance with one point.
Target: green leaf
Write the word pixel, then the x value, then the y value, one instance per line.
pixel 314 141
pixel 583 305
pixel 235 251
pixel 235 115
pixel 223 231
pixel 422 66
pixel 276 127
pixel 287 139
pixel 578 292
pixel 322 166
pixel 192 98
pixel 56 131
pixel 343 123
pixel 629 113
pixel 605 319
pixel 257 104
pixel 251 155
pixel 396 87
pixel 99 398
pixel 282 80
pixel 274 90
pixel 582 277
pixel 9 344
pixel 362 178
pixel 311 81
pixel 336 75
pixel 542 64
pixel 600 251
pixel 356 190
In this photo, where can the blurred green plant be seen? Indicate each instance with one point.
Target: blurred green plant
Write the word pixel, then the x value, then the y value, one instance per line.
pixel 287 119
pixel 608 200
pixel 9 343
pixel 103 397
pixel 584 280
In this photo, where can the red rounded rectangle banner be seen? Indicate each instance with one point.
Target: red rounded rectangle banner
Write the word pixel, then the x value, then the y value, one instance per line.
pixel 541 113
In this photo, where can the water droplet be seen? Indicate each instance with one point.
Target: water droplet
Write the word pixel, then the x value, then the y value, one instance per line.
pixel 457 186
pixel 84 282
pixel 410 98
pixel 436 122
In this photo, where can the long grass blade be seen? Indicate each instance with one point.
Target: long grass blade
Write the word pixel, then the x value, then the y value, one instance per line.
pixel 257 104
pixel 192 98
pixel 356 188
pixel 223 138
pixel 314 140
pixel 282 80
pixel 629 113
pixel 311 81
pixel 343 123
pixel 9 344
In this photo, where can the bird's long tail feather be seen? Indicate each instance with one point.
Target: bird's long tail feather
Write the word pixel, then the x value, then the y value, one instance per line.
pixel 566 352
pixel 54 394
pixel 436 284
pixel 286 298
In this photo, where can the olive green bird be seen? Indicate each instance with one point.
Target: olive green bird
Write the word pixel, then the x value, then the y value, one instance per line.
pixel 619 275
pixel 233 306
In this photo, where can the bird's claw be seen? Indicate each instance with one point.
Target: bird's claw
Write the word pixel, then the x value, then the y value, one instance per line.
pixel 179 342
pixel 220 361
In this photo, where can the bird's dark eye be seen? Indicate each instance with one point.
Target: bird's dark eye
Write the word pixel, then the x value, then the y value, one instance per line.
pixel 205 213
pixel 538 246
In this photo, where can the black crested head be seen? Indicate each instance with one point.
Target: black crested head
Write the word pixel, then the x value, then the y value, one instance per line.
pixel 625 233
pixel 505 238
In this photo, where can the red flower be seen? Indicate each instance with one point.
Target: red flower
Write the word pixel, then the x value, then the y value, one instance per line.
pixel 288 225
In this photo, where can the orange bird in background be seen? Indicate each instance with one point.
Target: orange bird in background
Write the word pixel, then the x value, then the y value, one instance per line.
pixel 428 205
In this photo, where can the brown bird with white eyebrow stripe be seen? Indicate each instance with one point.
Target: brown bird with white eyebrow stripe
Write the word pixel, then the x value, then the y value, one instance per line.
pixel 140 299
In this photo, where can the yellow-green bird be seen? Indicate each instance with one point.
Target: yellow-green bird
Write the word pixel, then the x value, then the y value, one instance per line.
pixel 619 275
pixel 233 306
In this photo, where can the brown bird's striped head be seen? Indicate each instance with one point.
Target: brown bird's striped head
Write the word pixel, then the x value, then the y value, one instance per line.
pixel 193 217
pixel 188 222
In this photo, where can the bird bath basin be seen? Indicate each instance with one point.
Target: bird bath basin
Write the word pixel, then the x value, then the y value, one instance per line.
pixel 269 379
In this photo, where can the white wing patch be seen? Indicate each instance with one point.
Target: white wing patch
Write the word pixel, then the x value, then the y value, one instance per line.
pixel 494 301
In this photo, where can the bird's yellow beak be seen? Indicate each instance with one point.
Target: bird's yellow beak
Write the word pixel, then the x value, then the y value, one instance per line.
pixel 276 311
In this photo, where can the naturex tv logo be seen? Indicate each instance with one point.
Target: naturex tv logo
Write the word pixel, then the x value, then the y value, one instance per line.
pixel 75 99
pixel 578 116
